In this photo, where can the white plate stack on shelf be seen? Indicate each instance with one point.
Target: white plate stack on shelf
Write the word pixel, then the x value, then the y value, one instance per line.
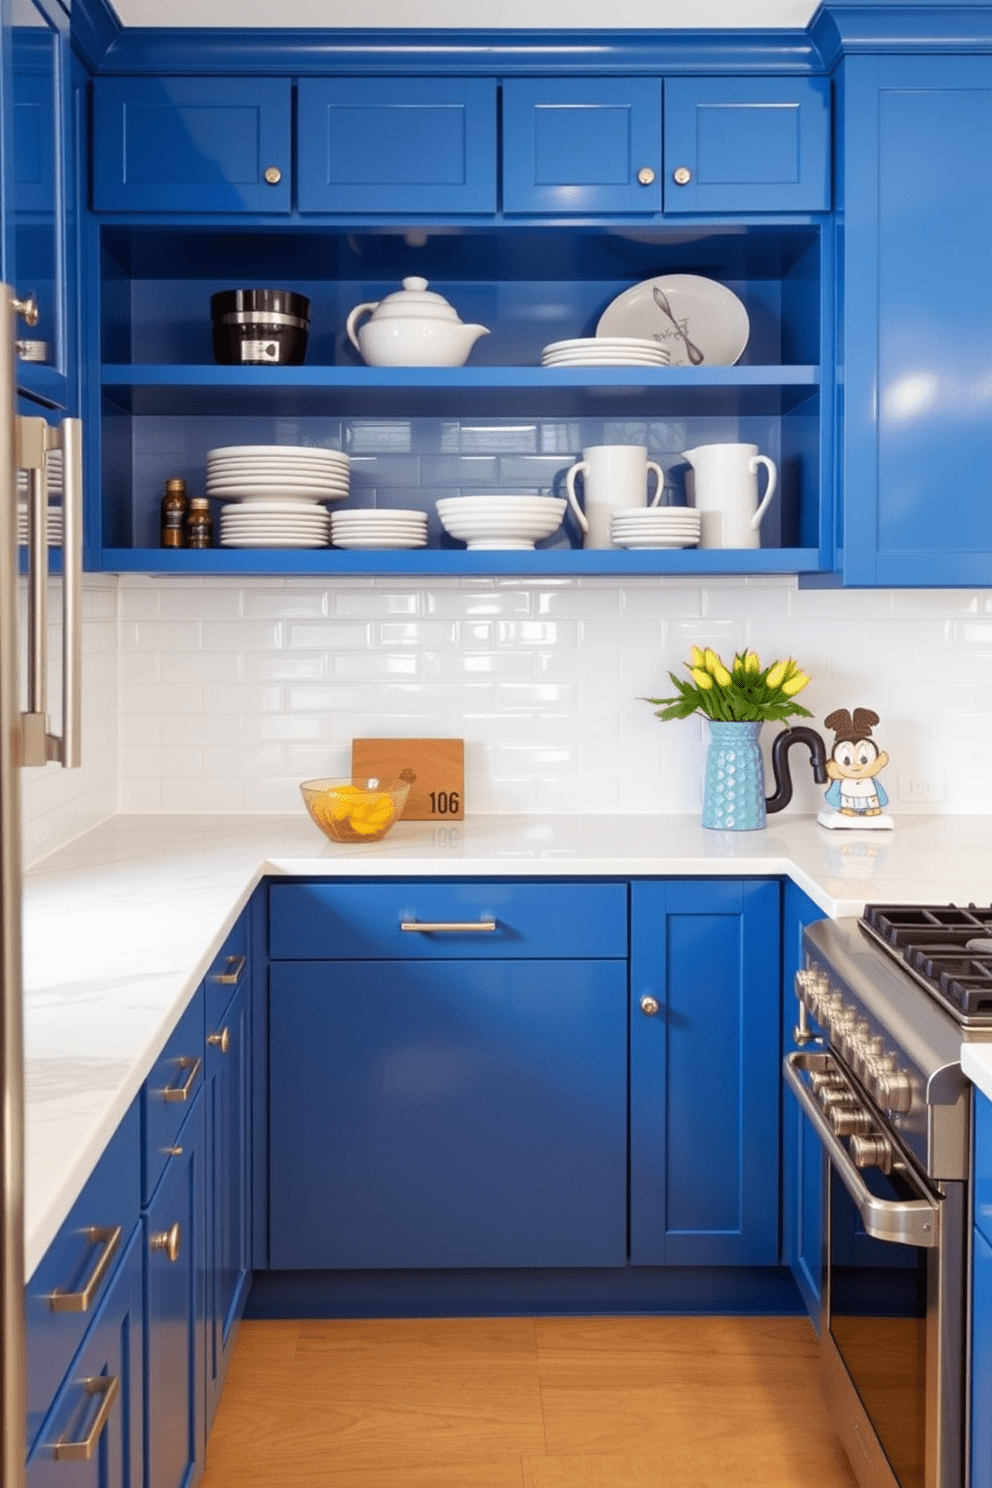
pixel 655 527
pixel 374 527
pixel 274 495
pixel 606 351
pixel 54 465
pixel 501 522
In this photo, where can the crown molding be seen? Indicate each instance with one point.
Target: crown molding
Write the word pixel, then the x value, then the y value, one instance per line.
pixel 849 27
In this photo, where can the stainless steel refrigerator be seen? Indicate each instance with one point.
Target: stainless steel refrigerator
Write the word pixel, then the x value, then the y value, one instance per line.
pixel 27 440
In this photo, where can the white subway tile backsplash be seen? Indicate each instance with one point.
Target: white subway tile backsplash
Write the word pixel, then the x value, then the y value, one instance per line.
pixel 222 694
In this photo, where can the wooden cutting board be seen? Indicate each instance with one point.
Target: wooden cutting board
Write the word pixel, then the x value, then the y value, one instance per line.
pixel 434 767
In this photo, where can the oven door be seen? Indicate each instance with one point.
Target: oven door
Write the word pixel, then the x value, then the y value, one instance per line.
pixel 892 1323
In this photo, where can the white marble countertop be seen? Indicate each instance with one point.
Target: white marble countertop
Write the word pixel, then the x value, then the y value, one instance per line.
pixel 121 926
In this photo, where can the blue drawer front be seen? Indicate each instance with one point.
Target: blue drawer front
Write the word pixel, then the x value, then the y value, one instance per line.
pixel 362 920
pixel 750 144
pixel 397 145
pixel 112 1350
pixel 191 144
pixel 178 1070
pixel 110 1200
pixel 229 970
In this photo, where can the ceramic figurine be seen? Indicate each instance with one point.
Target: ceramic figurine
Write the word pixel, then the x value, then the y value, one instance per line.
pixel 856 796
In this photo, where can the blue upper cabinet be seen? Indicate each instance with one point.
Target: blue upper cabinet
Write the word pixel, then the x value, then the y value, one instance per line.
pixel 383 145
pixel 37 194
pixel 582 145
pixel 183 144
pixel 747 145
pixel 917 320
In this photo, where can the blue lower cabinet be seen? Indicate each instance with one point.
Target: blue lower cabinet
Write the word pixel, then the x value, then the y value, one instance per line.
pixel 704 1076
pixel 175 1313
pixel 92 1437
pixel 455 1113
pixel 981 1363
pixel 227 1094
pixel 803 1163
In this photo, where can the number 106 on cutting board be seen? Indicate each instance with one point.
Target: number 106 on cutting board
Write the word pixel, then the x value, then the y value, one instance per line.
pixel 434 768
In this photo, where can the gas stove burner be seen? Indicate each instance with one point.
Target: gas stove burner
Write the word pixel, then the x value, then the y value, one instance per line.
pixel 947 948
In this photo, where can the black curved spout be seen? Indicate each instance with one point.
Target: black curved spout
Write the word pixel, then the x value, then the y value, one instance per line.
pixel 781 745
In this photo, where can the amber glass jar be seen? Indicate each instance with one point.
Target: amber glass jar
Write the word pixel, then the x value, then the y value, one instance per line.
pixel 175 507
pixel 199 523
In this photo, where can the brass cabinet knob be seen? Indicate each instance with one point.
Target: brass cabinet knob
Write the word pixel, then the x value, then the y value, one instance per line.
pixel 168 1240
pixel 645 175
pixel 650 1006
pixel 682 175
pixel 27 309
pixel 272 174
pixel 221 1041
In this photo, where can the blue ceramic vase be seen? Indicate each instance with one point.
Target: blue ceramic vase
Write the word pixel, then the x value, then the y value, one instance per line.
pixel 734 786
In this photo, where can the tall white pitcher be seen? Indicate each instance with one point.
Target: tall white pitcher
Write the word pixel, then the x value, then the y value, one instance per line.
pixel 725 492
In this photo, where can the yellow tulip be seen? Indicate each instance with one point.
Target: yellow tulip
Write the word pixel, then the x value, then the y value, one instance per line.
pixel 778 674
pixel 794 684
pixel 751 662
pixel 702 679
pixel 721 674
pixel 712 661
pixel 698 657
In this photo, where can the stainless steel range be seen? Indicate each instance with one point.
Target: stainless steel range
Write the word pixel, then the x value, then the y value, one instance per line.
pixel 885 1003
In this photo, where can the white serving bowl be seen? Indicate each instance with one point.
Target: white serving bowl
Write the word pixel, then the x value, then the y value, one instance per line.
pixel 503 522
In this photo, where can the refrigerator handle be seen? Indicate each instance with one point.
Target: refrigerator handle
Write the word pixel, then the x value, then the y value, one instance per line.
pixel 35 438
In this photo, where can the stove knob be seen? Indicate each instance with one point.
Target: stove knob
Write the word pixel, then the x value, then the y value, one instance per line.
pixel 895 1091
pixel 837 1098
pixel 850 1120
pixel 823 1080
pixel 871 1151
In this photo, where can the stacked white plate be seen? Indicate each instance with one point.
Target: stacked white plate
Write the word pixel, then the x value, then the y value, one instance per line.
pixel 379 528
pixel 606 351
pixel 655 527
pixel 284 472
pixel 501 522
pixel 274 524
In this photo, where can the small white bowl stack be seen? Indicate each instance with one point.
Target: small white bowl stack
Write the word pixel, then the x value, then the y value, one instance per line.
pixel 54 468
pixel 606 351
pixel 274 495
pixel 379 528
pixel 655 527
pixel 504 523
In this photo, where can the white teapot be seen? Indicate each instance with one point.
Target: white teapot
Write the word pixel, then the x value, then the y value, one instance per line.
pixel 412 328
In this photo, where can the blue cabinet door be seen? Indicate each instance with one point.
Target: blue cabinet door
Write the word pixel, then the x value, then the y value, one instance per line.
pixel 187 144
pixel 747 145
pixel 38 182
pixel 92 1437
pixel 175 1351
pixel 981 1363
pixel 704 1073
pixel 447 1113
pixel 803 1173
pixel 577 145
pixel 917 310
pixel 383 145
pixel 227 1093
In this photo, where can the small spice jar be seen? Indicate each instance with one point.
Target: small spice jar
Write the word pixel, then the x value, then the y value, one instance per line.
pixel 175 506
pixel 199 523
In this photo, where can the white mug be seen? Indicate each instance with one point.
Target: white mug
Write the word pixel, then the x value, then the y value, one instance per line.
pixel 725 492
pixel 614 477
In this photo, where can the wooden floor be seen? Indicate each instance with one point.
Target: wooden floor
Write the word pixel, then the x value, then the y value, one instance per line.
pixel 525 1403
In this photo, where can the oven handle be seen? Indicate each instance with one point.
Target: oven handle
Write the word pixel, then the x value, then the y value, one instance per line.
pixel 905 1222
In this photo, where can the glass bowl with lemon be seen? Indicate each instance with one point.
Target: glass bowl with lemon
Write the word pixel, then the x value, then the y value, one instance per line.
pixel 349 810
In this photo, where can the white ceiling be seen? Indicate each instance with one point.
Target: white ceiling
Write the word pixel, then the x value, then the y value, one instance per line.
pixel 559 15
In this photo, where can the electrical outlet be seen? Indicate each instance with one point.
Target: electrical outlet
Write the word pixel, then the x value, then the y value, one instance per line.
pixel 921 788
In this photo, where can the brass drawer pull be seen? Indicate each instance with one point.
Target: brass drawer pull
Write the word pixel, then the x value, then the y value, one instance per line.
pixel 168 1240
pixel 107 1236
pixel 221 1041
pixel 432 927
pixel 182 1092
pixel 106 1385
pixel 235 971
